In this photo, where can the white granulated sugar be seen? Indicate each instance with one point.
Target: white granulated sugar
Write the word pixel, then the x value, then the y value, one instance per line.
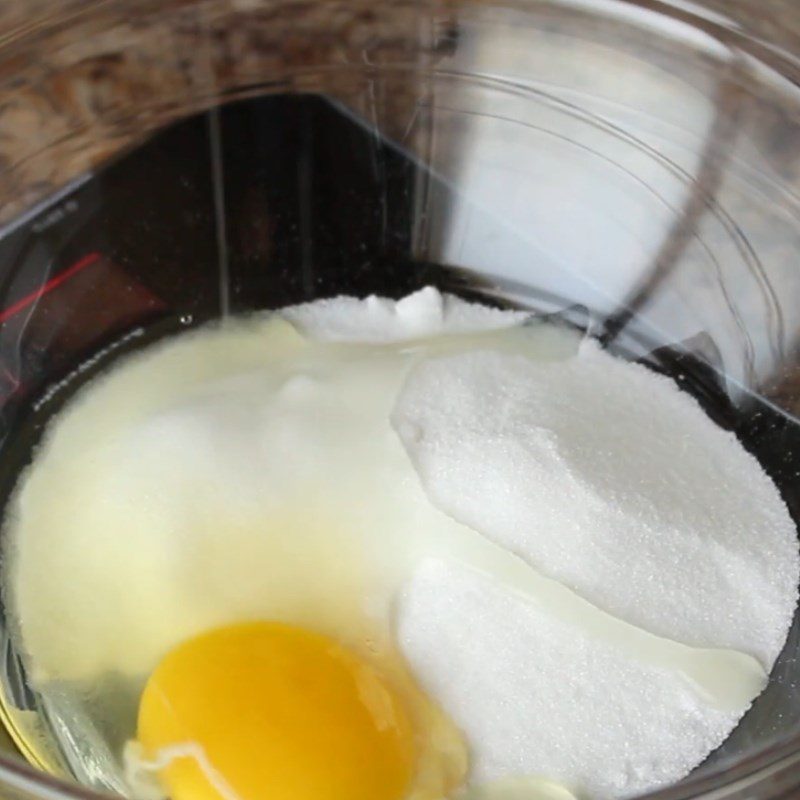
pixel 379 319
pixel 537 697
pixel 283 468
pixel 606 477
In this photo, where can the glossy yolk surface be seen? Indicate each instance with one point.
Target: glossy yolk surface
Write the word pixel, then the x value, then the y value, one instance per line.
pixel 266 710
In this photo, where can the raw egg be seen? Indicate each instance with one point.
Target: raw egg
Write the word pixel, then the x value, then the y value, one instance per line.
pixel 266 709
pixel 279 711
pixel 242 472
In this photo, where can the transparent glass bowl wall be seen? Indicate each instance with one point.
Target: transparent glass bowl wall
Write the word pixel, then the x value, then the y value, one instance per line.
pixel 635 166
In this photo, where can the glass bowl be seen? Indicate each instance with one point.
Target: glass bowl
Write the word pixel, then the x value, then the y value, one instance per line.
pixel 632 166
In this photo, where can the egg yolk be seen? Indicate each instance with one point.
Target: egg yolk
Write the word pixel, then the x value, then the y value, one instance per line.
pixel 267 710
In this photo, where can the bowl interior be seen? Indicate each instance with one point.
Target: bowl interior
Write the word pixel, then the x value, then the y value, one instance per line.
pixel 636 173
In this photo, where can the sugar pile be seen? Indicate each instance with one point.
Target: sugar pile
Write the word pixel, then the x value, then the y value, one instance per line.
pixel 538 697
pixel 425 313
pixel 603 475
pixel 606 477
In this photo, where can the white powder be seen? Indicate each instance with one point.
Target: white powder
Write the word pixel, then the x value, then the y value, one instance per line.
pixel 379 319
pixel 536 697
pixel 605 476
